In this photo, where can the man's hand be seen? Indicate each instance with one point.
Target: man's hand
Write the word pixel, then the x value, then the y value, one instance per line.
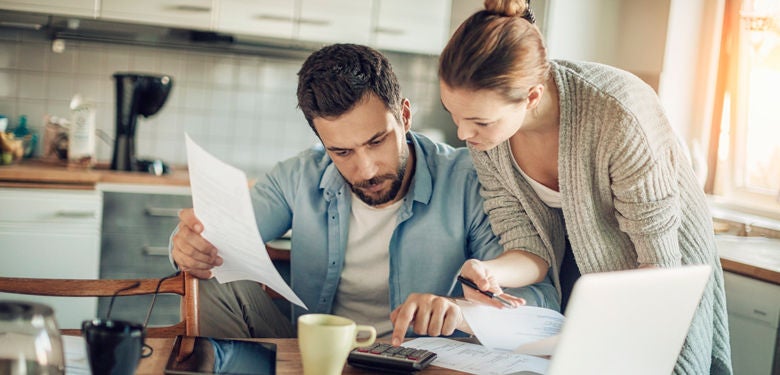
pixel 431 315
pixel 191 252
pixel 476 271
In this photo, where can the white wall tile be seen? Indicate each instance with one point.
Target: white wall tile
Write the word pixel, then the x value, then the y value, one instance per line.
pixel 32 56
pixel 117 60
pixel 223 71
pixel 64 62
pixel 61 86
pixel 92 62
pixel 172 64
pixel 34 110
pixel 145 62
pixel 196 97
pixel 8 87
pixel 248 73
pixel 91 88
pixel 8 107
pixel 59 108
pixel 31 86
pixel 195 68
pixel 8 54
pixel 241 108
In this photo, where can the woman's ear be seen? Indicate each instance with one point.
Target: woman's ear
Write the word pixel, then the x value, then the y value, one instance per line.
pixel 535 94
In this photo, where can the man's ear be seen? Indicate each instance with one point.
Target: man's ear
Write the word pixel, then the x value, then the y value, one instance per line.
pixel 535 94
pixel 406 114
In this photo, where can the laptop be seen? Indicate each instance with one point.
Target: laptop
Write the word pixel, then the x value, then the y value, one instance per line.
pixel 628 322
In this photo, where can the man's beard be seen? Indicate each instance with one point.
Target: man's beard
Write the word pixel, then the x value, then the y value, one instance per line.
pixel 397 180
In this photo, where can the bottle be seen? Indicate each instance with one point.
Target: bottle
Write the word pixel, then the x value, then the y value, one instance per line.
pixel 81 135
pixel 29 139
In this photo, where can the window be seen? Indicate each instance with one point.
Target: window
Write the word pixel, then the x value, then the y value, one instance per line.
pixel 745 149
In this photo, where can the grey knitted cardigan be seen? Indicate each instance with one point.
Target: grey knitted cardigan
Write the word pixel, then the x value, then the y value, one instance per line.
pixel 629 197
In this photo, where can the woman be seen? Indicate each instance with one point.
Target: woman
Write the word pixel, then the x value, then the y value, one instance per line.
pixel 580 169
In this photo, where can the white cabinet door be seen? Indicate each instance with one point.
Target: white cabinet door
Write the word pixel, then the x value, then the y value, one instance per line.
pixel 194 14
pixel 754 314
pixel 412 25
pixel 85 8
pixel 270 18
pixel 335 21
pixel 52 234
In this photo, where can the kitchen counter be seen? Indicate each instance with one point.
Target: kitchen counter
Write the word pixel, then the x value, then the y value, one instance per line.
pixel 38 174
pixel 754 257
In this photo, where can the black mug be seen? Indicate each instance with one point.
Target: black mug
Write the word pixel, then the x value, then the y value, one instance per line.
pixel 113 346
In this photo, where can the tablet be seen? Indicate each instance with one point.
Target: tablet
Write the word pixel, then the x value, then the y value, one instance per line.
pixel 206 355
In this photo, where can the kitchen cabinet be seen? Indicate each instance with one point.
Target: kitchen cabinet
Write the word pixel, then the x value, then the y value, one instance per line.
pixel 331 21
pixel 52 233
pixel 328 21
pixel 412 25
pixel 134 244
pixel 191 14
pixel 270 18
pixel 83 8
pixel 754 321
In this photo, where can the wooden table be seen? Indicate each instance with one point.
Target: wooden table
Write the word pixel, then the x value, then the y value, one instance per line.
pixel 288 359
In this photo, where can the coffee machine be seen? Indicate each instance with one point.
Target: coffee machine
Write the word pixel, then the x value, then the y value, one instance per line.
pixel 136 94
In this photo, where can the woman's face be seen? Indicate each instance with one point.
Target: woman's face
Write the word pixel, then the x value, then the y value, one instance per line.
pixel 484 119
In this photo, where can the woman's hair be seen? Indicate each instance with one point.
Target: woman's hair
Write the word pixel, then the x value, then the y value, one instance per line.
pixel 335 78
pixel 498 49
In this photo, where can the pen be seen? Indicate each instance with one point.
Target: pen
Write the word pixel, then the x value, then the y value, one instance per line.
pixel 488 293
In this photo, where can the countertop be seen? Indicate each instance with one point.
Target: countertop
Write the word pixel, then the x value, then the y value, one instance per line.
pixel 34 173
pixel 754 257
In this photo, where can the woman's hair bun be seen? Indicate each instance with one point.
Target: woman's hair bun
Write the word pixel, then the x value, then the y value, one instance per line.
pixel 511 8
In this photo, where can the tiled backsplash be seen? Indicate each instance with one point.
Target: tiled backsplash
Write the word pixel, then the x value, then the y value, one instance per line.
pixel 242 108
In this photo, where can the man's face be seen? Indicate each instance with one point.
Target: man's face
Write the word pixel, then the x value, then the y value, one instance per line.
pixel 368 146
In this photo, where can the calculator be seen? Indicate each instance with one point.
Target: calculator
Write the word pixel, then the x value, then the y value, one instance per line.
pixel 388 358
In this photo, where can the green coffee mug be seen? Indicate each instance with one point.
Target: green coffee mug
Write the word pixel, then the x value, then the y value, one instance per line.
pixel 326 340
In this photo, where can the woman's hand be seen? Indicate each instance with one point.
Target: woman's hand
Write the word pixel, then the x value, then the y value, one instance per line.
pixel 478 272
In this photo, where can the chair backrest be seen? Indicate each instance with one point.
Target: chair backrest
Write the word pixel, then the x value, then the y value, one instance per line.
pixel 182 284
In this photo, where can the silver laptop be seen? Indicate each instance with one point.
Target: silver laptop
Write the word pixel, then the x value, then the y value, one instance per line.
pixel 628 322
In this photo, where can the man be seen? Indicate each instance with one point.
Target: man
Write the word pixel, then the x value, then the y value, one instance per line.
pixel 382 218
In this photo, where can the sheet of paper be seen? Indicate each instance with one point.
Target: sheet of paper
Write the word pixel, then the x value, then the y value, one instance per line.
pixel 509 329
pixel 220 197
pixel 75 349
pixel 477 359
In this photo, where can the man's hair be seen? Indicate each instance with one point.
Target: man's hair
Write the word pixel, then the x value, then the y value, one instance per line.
pixel 335 78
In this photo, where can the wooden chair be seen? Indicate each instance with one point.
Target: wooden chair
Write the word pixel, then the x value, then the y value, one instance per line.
pixel 182 284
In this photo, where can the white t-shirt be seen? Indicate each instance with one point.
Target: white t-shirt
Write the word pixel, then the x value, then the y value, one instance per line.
pixel 549 196
pixel 363 294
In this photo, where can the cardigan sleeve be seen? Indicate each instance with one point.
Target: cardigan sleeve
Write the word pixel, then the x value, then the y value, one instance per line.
pixel 643 173
pixel 508 218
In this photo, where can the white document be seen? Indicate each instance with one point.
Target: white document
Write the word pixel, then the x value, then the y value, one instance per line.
pixel 477 359
pixel 524 327
pixel 220 197
pixel 75 349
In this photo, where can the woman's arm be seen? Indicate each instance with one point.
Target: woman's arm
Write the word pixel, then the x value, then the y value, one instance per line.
pixel 513 268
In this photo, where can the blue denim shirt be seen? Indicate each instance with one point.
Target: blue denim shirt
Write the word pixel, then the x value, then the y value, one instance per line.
pixel 440 225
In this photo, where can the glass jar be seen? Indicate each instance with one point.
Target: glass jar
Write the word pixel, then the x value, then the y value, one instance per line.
pixel 30 341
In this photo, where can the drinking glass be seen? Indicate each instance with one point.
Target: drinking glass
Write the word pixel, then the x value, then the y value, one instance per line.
pixel 30 341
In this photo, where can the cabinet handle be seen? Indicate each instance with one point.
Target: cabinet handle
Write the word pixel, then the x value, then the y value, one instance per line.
pixel 76 214
pixel 313 22
pixel 190 8
pixel 388 30
pixel 162 211
pixel 303 21
pixel 272 17
pixel 159 251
